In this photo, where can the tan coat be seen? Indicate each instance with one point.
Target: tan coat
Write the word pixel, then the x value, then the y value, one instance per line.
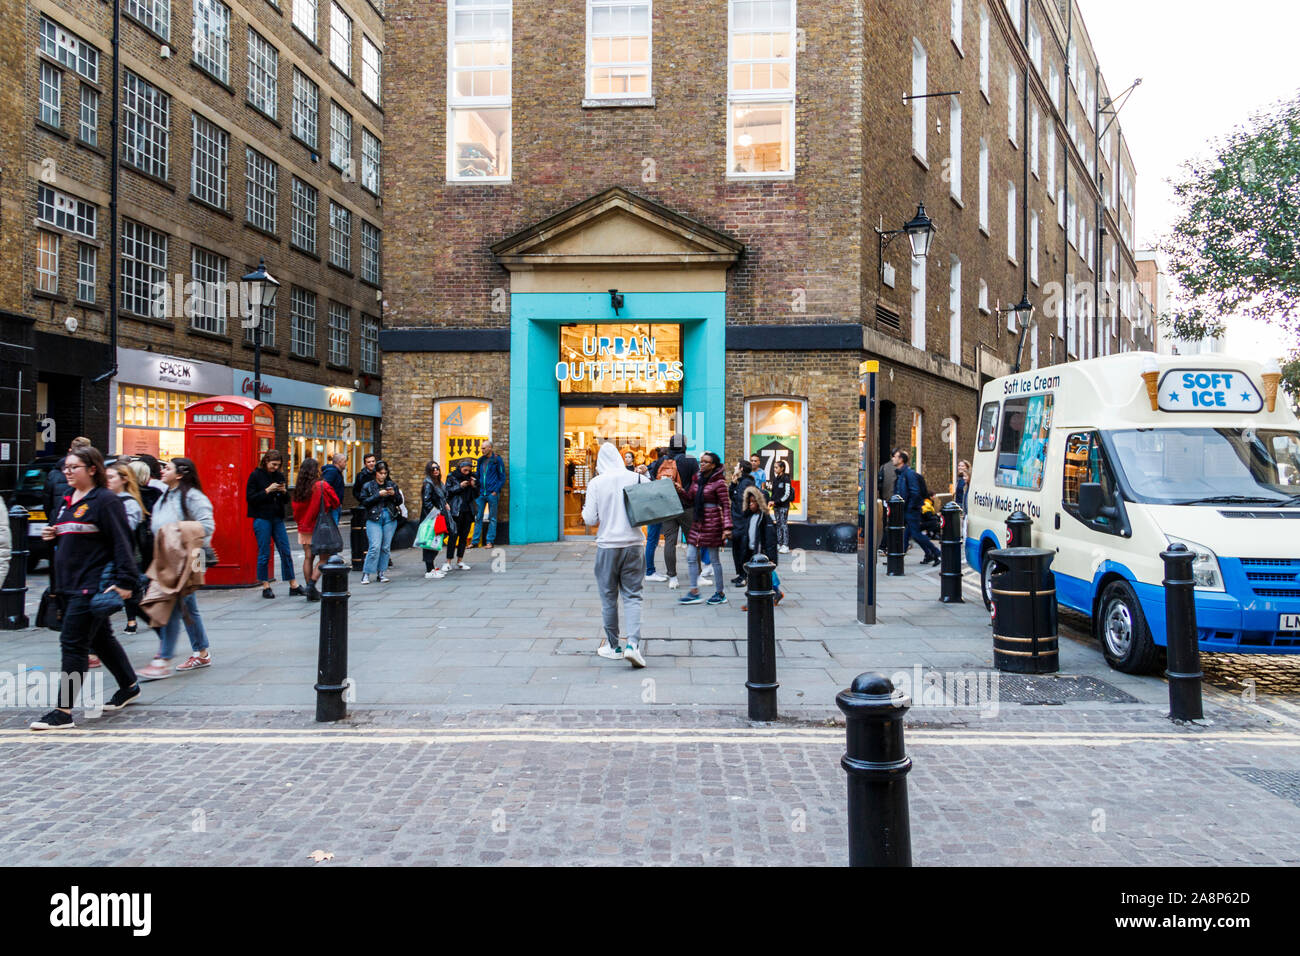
pixel 176 570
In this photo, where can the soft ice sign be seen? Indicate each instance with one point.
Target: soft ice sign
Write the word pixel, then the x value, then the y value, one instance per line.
pixel 1208 390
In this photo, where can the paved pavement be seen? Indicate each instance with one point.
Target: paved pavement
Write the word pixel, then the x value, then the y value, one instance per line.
pixel 521 628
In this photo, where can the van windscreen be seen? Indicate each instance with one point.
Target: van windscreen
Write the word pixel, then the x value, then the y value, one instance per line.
pixel 1183 466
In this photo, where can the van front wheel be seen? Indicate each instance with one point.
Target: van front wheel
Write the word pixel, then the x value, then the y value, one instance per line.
pixel 1123 633
pixel 986 578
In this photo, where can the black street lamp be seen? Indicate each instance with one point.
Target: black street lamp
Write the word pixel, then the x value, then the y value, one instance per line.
pixel 261 287
pixel 920 235
pixel 1024 310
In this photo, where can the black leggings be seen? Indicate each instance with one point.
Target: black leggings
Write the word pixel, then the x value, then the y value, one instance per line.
pixel 430 558
pixel 82 635
pixel 457 542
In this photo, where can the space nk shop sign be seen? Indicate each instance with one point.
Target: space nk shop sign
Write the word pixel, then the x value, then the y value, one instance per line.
pixel 619 359
pixel 1208 390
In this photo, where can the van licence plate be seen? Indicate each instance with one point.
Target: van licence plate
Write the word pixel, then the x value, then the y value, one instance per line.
pixel 1289 622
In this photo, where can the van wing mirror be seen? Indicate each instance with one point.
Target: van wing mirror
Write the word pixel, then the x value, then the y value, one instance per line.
pixel 1090 499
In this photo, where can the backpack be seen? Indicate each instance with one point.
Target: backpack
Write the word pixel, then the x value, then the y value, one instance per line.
pixel 921 487
pixel 668 469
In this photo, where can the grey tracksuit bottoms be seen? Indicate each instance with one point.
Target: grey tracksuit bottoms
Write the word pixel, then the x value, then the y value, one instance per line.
pixel 621 571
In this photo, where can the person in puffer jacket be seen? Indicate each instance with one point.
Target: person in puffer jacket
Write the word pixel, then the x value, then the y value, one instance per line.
pixel 620 554
pixel 709 498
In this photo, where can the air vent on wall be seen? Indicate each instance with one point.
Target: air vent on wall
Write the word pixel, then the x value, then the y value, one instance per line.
pixel 887 318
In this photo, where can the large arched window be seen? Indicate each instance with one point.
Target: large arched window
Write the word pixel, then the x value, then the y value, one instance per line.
pixel 460 426
pixel 776 429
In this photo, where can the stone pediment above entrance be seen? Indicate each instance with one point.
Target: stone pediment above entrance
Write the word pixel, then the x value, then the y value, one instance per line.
pixel 620 230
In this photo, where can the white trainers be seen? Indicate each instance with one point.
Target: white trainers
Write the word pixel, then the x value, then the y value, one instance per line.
pixel 435 573
pixel 608 652
pixel 672 583
pixel 632 654
pixel 784 549
pixel 365 579
pixel 463 566
pixel 706 572
pixel 445 568
pixel 656 577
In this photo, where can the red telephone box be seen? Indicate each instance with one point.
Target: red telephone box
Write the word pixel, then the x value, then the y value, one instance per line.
pixel 225 436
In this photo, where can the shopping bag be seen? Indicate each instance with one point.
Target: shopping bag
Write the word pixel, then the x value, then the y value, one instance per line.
pixel 427 534
pixel 648 502
pixel 325 537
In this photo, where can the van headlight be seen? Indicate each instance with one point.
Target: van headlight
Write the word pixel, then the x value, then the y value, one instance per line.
pixel 1205 565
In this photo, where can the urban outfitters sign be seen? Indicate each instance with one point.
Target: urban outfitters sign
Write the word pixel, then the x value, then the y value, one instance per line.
pixel 618 359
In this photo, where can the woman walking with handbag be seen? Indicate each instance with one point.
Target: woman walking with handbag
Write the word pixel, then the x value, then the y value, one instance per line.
pixel 711 503
pixel 382 501
pixel 184 500
pixel 312 500
pixel 93 534
pixel 433 500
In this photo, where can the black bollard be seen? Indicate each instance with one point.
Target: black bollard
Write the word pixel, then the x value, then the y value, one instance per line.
pixel 894 540
pixel 358 542
pixel 1018 526
pixel 1025 639
pixel 1184 653
pixel 332 664
pixel 950 554
pixel 880 831
pixel 762 683
pixel 13 595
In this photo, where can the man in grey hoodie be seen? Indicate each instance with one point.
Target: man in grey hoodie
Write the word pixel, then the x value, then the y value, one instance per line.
pixel 620 553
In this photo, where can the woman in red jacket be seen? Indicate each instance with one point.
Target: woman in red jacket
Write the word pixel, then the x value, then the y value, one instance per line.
pixel 711 528
pixel 311 496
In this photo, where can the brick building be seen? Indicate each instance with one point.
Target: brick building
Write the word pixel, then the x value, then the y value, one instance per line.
pixel 726 167
pixel 247 130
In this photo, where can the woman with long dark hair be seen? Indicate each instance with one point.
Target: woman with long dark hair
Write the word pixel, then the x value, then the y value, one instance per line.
pixel 433 498
pixel 92 532
pixel 381 499
pixel 183 501
pixel 709 498
pixel 312 497
pixel 267 495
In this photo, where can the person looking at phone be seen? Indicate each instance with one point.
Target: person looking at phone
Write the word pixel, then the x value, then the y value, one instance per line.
pixel 268 495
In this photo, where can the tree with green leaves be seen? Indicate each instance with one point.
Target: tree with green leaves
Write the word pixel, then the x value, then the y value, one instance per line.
pixel 1235 249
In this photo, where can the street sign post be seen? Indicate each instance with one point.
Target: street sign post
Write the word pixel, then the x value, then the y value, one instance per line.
pixel 867 441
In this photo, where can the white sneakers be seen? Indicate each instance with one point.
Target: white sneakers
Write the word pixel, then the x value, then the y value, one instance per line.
pixel 632 653
pixel 608 652
pixel 672 583
pixel 706 572
pixel 435 573
pixel 784 549
pixel 463 566
pixel 656 577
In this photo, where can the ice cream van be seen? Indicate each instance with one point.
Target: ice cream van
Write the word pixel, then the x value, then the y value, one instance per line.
pixel 1116 458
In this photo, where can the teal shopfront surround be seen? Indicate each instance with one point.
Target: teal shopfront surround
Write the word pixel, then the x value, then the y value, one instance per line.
pixel 535 414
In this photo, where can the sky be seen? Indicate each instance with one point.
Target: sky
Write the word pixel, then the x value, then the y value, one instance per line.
pixel 1205 67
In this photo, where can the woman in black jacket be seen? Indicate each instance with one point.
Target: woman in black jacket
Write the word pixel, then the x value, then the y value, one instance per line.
pixel 382 500
pixel 433 498
pixel 268 495
pixel 755 533
pixel 462 490
pixel 782 498
pixel 94 542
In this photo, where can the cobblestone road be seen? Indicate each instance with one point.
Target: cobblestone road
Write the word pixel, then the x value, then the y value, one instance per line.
pixel 1052 786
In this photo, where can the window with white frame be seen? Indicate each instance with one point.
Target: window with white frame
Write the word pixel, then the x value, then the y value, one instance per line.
pixel 1033 345
pixel 51 96
pixel 955 17
pixel 984 184
pixel 340 236
pixel 303 226
pixel 371 69
pixel 761 88
pixel 369 345
pixel 982 301
pixel 776 430
pixel 88 130
pixel 302 322
pixel 340 327
pixel 340 39
pixel 1033 139
pixel 954 311
pixel 1060 207
pixel 69 49
pixel 370 170
pixel 210 158
pixel 1013 8
pixel 1051 160
pixel 1071 61
pixel 47 262
pixel 984 52
pixel 1054 85
pixel 87 270
pixel 341 138
pixel 478 93
pixel 209 297
pixel 266 327
pixel 370 245
pixel 1035 45
pixel 1070 220
pixel 1033 247
pixel 618 48
pixel 917 432
pixel 1011 220
pixel 154 15
pixel 954 146
pixel 212 38
pixel 304 18
pixel 144 269
pixel 1012 83
pixel 66 212
pixel 263 73
pixel 918 302
pixel 919 67
pixel 262 177
pixel 306 108
pixel 145 125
